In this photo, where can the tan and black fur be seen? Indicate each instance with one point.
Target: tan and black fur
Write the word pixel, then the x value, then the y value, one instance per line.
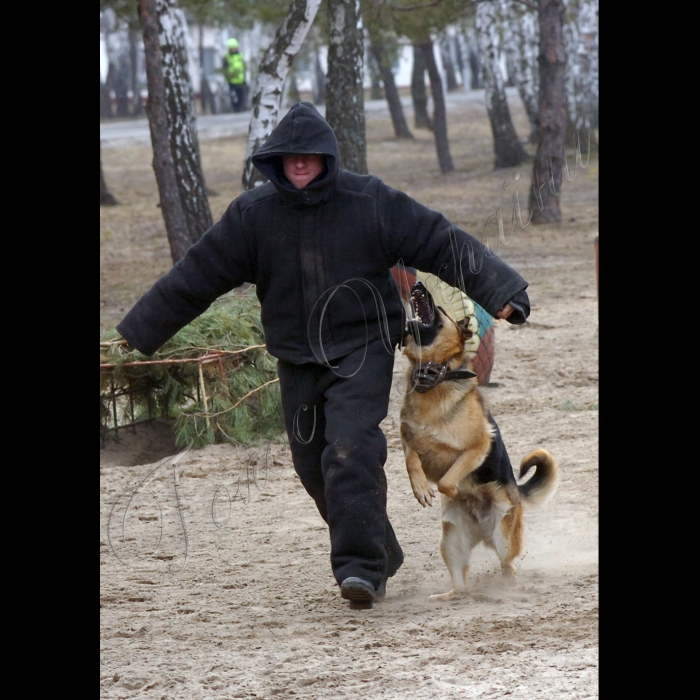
pixel 450 439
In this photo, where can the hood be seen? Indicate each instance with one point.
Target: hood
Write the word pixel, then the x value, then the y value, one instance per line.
pixel 301 130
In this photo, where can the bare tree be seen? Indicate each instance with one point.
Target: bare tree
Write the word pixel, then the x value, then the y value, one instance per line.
pixel 134 45
pixel 345 96
pixel 319 79
pixel 521 44
pixel 506 144
pixel 376 92
pixel 419 95
pixel 105 101
pixel 442 143
pixel 445 42
pixel 118 78
pixel 547 173
pixel 421 23
pixel 470 50
pixel 171 117
pixel 206 96
pixel 379 53
pixel 268 87
pixel 581 45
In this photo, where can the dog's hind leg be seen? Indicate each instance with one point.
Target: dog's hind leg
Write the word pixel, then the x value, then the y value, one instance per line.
pixel 459 537
pixel 507 540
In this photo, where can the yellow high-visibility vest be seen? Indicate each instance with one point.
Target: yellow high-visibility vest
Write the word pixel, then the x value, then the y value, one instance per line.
pixel 235 68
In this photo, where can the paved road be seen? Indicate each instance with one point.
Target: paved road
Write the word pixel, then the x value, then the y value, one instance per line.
pixel 115 134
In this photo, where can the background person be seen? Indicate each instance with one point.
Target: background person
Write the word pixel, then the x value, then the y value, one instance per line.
pixel 233 67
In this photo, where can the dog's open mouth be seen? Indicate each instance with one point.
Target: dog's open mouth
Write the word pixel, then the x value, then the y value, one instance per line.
pixel 425 322
pixel 422 304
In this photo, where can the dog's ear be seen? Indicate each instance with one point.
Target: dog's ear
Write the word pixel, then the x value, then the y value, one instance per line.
pixel 463 327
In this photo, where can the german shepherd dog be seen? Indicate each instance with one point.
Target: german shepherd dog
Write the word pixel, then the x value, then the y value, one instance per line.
pixel 450 439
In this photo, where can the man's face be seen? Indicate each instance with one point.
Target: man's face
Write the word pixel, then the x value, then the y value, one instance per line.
pixel 301 169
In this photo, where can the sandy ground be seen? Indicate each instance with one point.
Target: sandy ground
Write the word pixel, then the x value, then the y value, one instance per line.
pixel 214 571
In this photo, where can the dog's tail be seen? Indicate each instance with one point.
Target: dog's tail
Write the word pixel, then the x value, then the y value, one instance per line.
pixel 545 481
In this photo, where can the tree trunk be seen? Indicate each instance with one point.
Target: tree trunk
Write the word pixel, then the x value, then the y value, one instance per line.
pixel 474 59
pixel 290 89
pixel 446 54
pixel 419 95
pixel 570 42
pixel 375 90
pixel 589 29
pixel 345 96
pixel 105 102
pixel 205 94
pixel 463 57
pixel 581 46
pixel 401 130
pixel 137 103
pixel 547 174
pixel 320 80
pixel 506 144
pixel 460 63
pixel 442 144
pixel 171 117
pixel 521 43
pixel 120 85
pixel 106 197
pixel 267 89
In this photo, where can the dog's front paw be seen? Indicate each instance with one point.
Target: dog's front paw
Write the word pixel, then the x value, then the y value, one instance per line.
pixel 424 494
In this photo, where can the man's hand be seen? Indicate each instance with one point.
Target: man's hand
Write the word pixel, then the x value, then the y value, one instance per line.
pixel 505 311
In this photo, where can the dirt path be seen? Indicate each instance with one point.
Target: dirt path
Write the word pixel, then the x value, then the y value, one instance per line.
pixel 215 580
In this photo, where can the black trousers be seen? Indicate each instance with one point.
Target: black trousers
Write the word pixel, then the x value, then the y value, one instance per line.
pixel 237 93
pixel 332 418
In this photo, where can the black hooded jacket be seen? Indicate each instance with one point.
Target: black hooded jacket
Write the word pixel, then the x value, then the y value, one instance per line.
pixel 319 257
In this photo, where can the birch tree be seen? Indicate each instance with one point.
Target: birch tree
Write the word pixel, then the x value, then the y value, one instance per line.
pixel 172 121
pixel 345 95
pixel 506 144
pixel 581 45
pixel 267 90
pixel 547 173
pixel 521 45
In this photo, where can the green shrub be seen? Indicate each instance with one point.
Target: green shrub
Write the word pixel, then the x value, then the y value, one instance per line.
pixel 214 378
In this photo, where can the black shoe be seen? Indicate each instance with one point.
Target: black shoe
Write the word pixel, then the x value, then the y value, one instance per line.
pixel 361 593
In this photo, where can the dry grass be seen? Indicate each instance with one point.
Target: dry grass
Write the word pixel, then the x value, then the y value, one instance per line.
pixel 134 250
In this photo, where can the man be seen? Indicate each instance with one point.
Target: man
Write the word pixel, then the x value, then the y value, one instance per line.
pixel 233 67
pixel 318 242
